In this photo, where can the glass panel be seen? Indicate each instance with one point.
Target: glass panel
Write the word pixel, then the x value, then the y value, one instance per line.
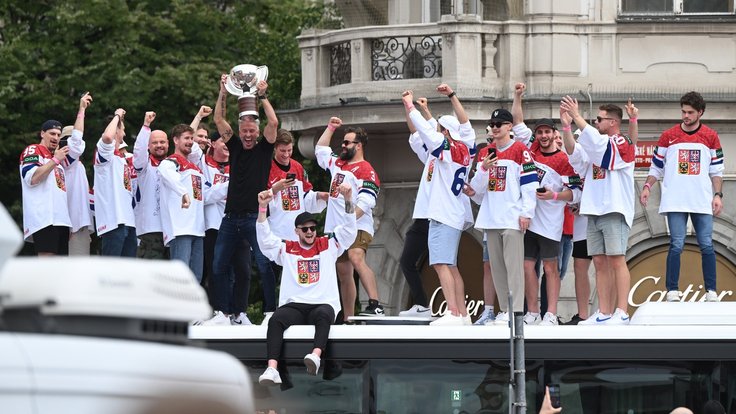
pixel 705 6
pixel 337 389
pixel 646 6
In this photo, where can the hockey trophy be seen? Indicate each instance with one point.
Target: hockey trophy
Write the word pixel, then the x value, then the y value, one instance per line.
pixel 242 83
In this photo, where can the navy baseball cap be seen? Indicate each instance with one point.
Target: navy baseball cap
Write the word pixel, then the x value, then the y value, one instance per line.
pixel 51 124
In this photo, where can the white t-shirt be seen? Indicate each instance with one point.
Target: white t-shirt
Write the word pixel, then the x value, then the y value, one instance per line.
pixel 179 176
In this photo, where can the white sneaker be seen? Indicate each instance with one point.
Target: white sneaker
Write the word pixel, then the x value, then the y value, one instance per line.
pixel 711 296
pixel 673 296
pixel 532 318
pixel 218 319
pixel 266 317
pixel 618 318
pixel 596 318
pixel 486 317
pixel 501 319
pixel 550 319
pixel 467 321
pixel 312 362
pixel 270 377
pixel 241 320
pixel 417 311
pixel 449 320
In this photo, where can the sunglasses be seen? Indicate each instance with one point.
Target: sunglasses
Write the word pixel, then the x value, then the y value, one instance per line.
pixel 347 143
pixel 308 228
pixel 497 124
pixel 600 118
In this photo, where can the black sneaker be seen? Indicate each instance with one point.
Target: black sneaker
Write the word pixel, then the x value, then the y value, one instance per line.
pixel 574 320
pixel 373 309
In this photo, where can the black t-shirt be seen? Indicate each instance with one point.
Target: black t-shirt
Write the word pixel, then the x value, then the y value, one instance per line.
pixel 248 174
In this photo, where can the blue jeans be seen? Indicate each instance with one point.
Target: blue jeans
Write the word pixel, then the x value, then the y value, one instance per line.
pixel 120 242
pixel 703 224
pixel 565 252
pixel 190 250
pixel 234 229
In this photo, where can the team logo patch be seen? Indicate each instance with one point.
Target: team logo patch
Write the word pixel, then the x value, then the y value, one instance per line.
pixel 31 159
pixel 540 174
pixel 598 173
pixel 334 187
pixel 497 178
pixel 290 198
pixel 220 178
pixel 529 167
pixel 197 187
pixel 430 170
pixel 308 271
pixel 688 162
pixel 60 180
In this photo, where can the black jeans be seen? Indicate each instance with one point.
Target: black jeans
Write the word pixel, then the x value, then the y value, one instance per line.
pixel 321 316
pixel 415 249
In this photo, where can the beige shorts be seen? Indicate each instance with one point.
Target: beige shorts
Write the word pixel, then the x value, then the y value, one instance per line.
pixel 362 241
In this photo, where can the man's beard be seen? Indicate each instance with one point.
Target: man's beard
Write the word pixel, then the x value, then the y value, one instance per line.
pixel 348 154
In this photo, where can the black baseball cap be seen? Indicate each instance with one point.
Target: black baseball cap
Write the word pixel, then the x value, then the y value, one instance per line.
pixel 51 124
pixel 501 115
pixel 304 218
pixel 545 122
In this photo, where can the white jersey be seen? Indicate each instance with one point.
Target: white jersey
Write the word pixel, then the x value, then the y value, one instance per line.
pixel 580 228
pixel 686 162
pixel 549 214
pixel 291 201
pixel 44 204
pixel 147 193
pixel 113 189
pixel 608 162
pixel 77 186
pixel 443 176
pixel 309 275
pixel 217 179
pixel 506 191
pixel 179 176
pixel 362 178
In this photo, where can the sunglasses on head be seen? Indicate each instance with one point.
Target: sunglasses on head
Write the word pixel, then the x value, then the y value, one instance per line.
pixel 496 124
pixel 308 228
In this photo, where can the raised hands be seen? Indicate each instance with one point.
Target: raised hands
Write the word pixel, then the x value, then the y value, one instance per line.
pixel 335 123
pixel 519 89
pixel 85 101
pixel 444 89
pixel 265 197
pixel 631 110
pixel 223 81
pixel 408 98
pixel 204 111
pixel 262 87
pixel 570 105
pixel 148 118
pixel 120 112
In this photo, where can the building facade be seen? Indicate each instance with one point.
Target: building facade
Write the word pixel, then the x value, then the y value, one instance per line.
pixel 600 51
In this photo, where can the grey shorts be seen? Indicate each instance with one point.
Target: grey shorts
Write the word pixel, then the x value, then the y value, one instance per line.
pixel 607 235
pixel 443 243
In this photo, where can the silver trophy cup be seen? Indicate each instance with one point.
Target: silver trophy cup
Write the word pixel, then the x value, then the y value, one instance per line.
pixel 242 83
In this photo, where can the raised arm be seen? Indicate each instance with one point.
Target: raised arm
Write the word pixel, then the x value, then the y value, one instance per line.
pixel 446 90
pixel 76 143
pixel 204 112
pixel 223 127
pixel 269 132
pixel 84 102
pixel 326 137
pixel 140 148
pixel 567 138
pixel 633 112
pixel 269 243
pixel 516 110
pixel 108 136
pixel 570 105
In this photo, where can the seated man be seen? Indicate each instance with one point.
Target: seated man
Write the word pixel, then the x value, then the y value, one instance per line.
pixel 309 293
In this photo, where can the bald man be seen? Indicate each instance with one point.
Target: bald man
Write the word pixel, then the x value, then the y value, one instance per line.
pixel 151 147
pixel 681 410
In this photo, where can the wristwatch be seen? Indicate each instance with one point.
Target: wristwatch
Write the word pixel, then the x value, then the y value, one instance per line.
pixel 718 193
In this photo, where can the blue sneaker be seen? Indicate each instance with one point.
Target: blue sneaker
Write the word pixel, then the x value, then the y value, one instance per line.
pixel 486 316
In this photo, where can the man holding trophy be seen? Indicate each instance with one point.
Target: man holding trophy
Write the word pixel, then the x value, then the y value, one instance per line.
pixel 250 164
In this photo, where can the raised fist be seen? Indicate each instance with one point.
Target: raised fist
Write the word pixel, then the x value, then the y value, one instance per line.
pixel 85 100
pixel 519 89
pixel 120 112
pixel 204 111
pixel 444 89
pixel 335 122
pixel 150 116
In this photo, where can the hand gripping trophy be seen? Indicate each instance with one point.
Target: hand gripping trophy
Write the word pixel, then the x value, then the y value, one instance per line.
pixel 242 83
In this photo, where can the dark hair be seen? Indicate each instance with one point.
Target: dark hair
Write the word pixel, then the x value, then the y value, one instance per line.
pixel 360 134
pixel 205 127
pixel 109 119
pixel 283 137
pixel 180 129
pixel 693 99
pixel 612 109
pixel 712 406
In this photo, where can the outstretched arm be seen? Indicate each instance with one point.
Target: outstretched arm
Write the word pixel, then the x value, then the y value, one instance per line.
pixel 633 113
pixel 226 132
pixel 446 90
pixel 269 132
pixel 516 110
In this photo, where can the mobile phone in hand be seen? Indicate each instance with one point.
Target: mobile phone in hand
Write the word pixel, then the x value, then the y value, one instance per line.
pixel 492 153
pixel 291 176
pixel 554 395
pixel 63 142
pixel 541 189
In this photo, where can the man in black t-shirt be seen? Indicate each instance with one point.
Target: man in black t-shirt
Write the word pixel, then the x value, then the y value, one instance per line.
pixel 250 163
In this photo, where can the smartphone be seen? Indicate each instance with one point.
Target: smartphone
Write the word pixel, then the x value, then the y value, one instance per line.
pixel 492 153
pixel 63 142
pixel 541 189
pixel 554 395
pixel 291 176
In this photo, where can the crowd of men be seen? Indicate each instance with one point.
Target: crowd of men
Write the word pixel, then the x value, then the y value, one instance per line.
pixel 224 197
